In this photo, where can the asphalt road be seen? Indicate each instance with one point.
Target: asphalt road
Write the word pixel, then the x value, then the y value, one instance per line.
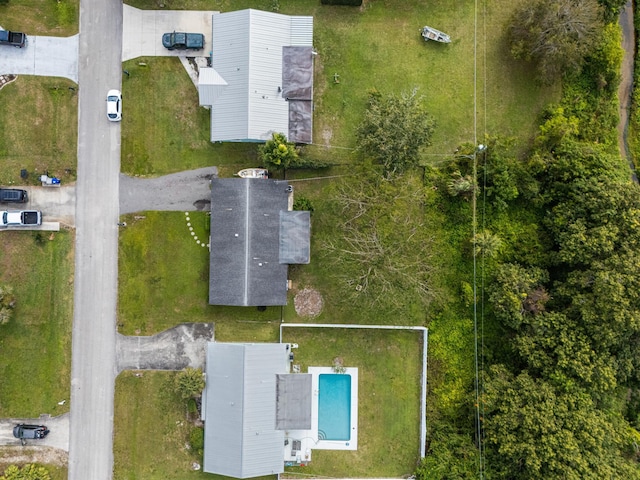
pixel 93 367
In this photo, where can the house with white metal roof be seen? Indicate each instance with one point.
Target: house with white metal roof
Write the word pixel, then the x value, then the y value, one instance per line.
pixel 250 399
pixel 261 77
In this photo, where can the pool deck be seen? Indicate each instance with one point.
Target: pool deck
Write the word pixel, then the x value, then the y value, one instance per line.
pixel 300 443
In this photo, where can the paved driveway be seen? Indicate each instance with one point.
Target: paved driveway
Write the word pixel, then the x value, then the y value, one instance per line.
pixel 143 29
pixel 174 349
pixel 43 56
pixel 58 436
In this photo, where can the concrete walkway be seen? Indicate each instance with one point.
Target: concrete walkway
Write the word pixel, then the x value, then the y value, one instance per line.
pixel 43 56
pixel 143 29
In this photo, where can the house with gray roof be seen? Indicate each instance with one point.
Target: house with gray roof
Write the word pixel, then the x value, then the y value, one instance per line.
pixel 254 239
pixel 261 77
pixel 250 399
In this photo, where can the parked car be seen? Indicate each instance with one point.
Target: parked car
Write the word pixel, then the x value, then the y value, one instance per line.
pixel 183 41
pixel 24 431
pixel 114 105
pixel 13 195
pixel 20 218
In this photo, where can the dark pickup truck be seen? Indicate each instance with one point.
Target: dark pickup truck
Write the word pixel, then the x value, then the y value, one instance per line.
pixel 183 41
pixel 16 39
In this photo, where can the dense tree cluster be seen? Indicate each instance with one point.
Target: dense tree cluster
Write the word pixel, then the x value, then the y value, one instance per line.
pixel 555 34
pixel 559 245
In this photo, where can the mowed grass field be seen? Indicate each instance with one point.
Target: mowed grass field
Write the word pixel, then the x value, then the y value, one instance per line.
pixel 389 370
pixel 57 18
pixel 38 129
pixel 471 86
pixel 35 363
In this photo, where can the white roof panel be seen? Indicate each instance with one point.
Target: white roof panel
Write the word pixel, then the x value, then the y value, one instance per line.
pixel 247 53
pixel 240 436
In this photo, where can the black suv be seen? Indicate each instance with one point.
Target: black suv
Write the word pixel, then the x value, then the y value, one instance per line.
pixel 24 431
pixel 13 195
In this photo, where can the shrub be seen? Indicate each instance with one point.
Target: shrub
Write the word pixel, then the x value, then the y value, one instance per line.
pixel 303 203
pixel 196 439
pixel 189 382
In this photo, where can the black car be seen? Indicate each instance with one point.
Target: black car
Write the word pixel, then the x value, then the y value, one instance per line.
pixel 24 431
pixel 13 195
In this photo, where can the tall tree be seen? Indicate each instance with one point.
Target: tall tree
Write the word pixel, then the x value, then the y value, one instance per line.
pixel 394 130
pixel 518 292
pixel 555 34
pixel 381 250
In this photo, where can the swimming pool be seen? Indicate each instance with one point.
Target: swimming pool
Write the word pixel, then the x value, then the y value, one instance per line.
pixel 334 407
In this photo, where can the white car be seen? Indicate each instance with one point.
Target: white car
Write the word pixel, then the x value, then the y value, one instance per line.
pixel 114 105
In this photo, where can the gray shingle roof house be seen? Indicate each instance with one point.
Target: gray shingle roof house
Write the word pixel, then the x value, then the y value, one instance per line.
pixel 245 384
pixel 253 240
pixel 261 77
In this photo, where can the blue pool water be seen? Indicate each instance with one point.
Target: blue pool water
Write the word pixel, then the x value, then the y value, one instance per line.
pixel 334 406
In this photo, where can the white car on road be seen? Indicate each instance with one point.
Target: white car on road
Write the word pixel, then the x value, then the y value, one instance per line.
pixel 114 105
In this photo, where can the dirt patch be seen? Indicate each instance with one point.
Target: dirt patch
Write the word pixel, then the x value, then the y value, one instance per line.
pixel 24 455
pixel 308 303
pixel 327 135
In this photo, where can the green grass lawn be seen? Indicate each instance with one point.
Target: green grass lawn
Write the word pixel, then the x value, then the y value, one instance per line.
pixel 164 281
pixel 389 370
pixel 38 129
pixel 164 278
pixel 375 47
pixel 151 430
pixel 163 128
pixel 57 18
pixel 36 343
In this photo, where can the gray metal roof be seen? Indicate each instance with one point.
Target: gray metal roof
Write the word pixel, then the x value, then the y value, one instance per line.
pixel 247 54
pixel 245 268
pixel 240 439
pixel 295 228
pixel 293 401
